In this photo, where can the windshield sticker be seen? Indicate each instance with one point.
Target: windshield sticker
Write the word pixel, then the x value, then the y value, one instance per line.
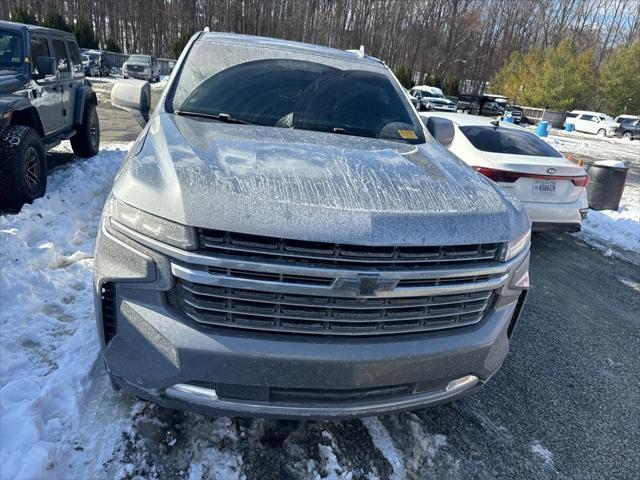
pixel 408 134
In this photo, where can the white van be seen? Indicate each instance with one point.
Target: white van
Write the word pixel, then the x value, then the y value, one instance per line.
pixel 592 122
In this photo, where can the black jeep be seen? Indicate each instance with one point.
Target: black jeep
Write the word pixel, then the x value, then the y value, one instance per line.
pixel 44 99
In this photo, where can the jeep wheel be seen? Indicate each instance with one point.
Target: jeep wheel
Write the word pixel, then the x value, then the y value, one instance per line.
pixel 23 167
pixel 86 142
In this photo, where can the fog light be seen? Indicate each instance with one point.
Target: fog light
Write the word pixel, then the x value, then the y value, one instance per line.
pixel 523 281
pixel 462 383
pixel 191 393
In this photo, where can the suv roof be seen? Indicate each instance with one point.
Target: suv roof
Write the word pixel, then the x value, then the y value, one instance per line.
pixel 36 29
pixel 250 40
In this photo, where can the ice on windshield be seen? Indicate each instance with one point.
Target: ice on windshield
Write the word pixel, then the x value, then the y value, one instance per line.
pixel 278 88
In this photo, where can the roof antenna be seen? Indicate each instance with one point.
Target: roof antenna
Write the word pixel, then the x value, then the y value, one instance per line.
pixel 206 29
pixel 495 123
pixel 361 51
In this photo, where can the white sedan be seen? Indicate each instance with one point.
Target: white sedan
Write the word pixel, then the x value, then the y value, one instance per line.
pixel 551 188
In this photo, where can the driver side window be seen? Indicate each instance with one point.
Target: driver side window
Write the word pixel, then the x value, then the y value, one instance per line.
pixel 39 48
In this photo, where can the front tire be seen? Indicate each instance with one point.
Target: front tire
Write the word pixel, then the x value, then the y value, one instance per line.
pixel 628 136
pixel 86 142
pixel 602 132
pixel 23 167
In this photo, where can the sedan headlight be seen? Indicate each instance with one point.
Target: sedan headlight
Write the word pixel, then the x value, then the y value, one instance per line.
pixel 127 220
pixel 517 246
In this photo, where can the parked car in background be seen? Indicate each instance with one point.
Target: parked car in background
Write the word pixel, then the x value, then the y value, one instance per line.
pixel 285 240
pixel 431 99
pixel 621 119
pixel 629 128
pixel 551 188
pixel 44 99
pixel 94 63
pixel 489 105
pixel 592 122
pixel 141 67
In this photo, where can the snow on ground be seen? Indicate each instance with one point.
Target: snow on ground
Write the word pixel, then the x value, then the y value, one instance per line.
pixel 608 230
pixel 49 341
pixel 620 228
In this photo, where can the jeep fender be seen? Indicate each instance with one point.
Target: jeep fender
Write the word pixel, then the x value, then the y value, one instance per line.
pixel 84 94
pixel 22 112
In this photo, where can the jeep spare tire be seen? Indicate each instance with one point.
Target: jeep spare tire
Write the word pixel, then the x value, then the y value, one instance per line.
pixel 86 142
pixel 23 167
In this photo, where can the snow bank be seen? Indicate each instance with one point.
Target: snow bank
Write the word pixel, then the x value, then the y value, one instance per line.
pixel 621 229
pixel 607 229
pixel 49 342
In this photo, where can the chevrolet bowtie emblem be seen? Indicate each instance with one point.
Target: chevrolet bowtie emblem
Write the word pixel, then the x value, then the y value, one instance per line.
pixel 365 285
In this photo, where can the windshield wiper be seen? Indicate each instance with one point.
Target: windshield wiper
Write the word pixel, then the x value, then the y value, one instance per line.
pixel 222 117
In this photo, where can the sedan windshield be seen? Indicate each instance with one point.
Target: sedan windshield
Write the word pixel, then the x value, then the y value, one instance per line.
pixel 11 54
pixel 508 140
pixel 432 94
pixel 280 88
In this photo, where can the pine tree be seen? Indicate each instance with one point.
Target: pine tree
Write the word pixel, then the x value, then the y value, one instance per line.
pixel 84 34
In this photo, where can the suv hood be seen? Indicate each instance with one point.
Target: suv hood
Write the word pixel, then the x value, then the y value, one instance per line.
pixel 312 186
pixel 9 83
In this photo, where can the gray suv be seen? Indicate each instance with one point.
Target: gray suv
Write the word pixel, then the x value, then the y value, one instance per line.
pixel 44 99
pixel 142 67
pixel 285 239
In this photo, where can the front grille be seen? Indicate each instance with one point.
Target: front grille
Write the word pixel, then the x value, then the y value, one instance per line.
pixel 327 315
pixel 135 68
pixel 256 248
pixel 109 317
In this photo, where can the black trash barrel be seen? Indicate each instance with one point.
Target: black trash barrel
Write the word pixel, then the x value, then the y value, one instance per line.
pixel 606 184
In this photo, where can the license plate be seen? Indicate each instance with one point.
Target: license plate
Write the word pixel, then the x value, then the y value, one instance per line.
pixel 544 187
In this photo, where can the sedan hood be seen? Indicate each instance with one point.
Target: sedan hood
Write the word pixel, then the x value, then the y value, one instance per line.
pixel 312 186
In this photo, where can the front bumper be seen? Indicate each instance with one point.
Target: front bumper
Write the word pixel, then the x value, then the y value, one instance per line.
pixel 163 356
pixel 137 75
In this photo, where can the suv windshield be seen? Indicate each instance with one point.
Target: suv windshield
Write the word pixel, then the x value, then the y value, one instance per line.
pixel 508 140
pixel 11 54
pixel 282 88
pixel 139 59
pixel 432 94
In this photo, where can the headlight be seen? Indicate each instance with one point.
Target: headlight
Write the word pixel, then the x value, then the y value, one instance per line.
pixel 517 246
pixel 118 214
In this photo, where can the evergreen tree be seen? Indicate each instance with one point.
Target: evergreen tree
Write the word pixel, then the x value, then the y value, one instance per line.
pixel 620 80
pixel 405 76
pixel 84 34
pixel 112 46
pixel 54 19
pixel 22 15
pixel 179 43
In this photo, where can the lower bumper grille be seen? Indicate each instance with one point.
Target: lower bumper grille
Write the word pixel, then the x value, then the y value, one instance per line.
pixel 310 314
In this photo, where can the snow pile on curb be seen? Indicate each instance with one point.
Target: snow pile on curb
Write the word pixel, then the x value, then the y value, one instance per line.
pixel 49 342
pixel 610 228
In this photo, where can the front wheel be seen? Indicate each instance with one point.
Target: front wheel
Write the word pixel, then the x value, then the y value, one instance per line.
pixel 628 136
pixel 602 132
pixel 86 142
pixel 23 167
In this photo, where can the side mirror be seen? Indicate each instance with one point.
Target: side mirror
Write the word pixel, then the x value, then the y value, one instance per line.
pixel 46 66
pixel 441 129
pixel 134 96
